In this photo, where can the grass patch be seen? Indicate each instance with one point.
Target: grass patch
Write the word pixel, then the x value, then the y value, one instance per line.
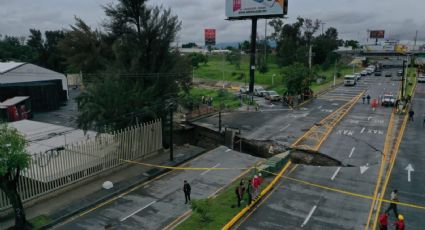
pixel 411 80
pixel 219 96
pixel 215 69
pixel 39 221
pixel 214 213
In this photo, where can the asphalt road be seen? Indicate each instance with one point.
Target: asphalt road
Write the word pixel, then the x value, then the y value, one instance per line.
pixel 411 152
pixel 355 141
pixel 160 202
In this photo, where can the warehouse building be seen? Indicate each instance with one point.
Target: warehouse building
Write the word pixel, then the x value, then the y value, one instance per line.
pixel 47 89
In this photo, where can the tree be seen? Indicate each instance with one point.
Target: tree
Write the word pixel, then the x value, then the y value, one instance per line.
pixel 234 58
pixel 323 47
pixel 136 70
pixel 296 78
pixel 13 159
pixel 197 58
pixel 189 45
pixel 245 46
pixel 353 43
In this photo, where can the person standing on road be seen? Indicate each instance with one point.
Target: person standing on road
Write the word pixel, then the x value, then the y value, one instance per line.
pixel 256 185
pixel 383 221
pixel 186 190
pixel 363 98
pixel 240 190
pixel 411 113
pixel 399 224
pixel 393 205
pixel 368 99
pixel 374 104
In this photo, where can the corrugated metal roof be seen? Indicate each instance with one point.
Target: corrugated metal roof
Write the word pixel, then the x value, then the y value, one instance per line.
pixel 13 101
pixel 7 66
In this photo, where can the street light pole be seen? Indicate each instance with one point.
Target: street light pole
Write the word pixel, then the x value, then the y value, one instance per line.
pixel 402 79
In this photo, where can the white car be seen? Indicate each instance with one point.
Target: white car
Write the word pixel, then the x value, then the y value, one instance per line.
pixel 363 73
pixel 421 78
pixel 350 80
pixel 358 76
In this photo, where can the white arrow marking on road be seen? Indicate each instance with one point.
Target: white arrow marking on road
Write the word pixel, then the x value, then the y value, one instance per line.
pixel 125 218
pixel 285 127
pixel 309 216
pixel 352 151
pixel 409 169
pixel 363 169
pixel 369 118
pixel 363 130
pixel 228 150
pixel 336 173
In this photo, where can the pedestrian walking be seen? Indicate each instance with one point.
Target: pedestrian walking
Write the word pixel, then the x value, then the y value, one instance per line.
pixel 399 224
pixel 363 98
pixel 186 190
pixel 383 221
pixel 368 99
pixel 240 190
pixel 374 104
pixel 256 185
pixel 411 113
pixel 393 205
pixel 249 191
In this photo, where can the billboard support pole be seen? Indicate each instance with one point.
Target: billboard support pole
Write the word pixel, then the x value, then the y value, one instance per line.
pixel 252 59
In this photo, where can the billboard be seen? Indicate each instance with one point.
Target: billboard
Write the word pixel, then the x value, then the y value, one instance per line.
pixel 377 33
pixel 240 9
pixel 209 37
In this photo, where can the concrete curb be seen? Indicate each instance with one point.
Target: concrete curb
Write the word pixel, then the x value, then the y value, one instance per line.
pixel 235 219
pixel 118 192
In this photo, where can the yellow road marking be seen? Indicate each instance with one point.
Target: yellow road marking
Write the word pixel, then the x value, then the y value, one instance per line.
pixel 183 168
pixel 265 191
pixel 382 167
pixel 388 176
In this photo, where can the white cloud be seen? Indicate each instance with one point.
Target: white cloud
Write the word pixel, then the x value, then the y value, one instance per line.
pixel 351 17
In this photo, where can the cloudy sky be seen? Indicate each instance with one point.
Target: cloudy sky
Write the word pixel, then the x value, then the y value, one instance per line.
pixel 352 18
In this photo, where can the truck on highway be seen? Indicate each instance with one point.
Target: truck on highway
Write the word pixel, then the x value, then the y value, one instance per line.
pixel 350 80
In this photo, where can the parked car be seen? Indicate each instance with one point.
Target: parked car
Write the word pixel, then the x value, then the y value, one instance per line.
pixel 358 76
pixel 388 74
pixel 369 71
pixel 259 91
pixel 378 73
pixel 272 96
pixel 388 100
pixel 421 78
pixel 400 73
pixel 244 90
pixel 349 80
pixel 363 73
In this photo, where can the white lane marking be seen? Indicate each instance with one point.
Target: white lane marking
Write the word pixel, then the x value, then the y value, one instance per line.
pixel 363 130
pixel 215 166
pixel 352 151
pixel 228 150
pixel 309 216
pixel 409 169
pixel 376 202
pixel 336 173
pixel 285 127
pixel 125 218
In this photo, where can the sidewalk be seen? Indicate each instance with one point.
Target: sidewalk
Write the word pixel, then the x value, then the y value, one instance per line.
pixel 90 194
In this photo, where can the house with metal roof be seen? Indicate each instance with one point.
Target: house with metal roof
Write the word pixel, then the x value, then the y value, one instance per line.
pixel 46 88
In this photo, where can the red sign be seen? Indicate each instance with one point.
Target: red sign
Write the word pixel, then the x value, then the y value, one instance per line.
pixel 377 33
pixel 237 5
pixel 209 37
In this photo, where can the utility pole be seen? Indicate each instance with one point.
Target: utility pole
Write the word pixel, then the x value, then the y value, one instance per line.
pixel 323 23
pixel 252 59
pixel 265 42
pixel 402 79
pixel 416 38
pixel 171 134
pixel 335 72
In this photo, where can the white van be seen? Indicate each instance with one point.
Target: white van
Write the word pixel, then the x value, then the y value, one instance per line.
pixel 421 78
pixel 350 80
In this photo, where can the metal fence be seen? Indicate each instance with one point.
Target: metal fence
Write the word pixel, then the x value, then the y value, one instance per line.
pixel 61 167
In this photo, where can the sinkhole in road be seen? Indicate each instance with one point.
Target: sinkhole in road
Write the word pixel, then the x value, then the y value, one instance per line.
pixel 268 148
